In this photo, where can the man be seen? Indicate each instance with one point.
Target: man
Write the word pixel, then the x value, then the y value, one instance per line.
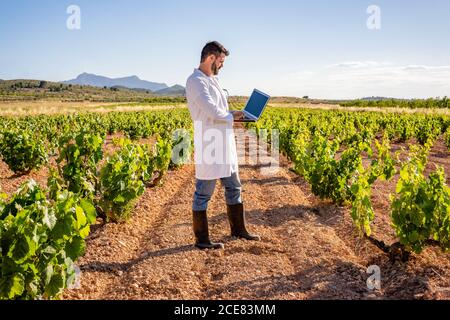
pixel 215 147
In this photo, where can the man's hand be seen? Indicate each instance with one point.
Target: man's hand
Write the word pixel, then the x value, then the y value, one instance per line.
pixel 237 114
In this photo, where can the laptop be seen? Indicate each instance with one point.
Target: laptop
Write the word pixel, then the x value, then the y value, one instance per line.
pixel 255 106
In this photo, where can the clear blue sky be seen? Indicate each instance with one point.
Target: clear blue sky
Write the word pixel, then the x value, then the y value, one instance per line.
pixel 318 48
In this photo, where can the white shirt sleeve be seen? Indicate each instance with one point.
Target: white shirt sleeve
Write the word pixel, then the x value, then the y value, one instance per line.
pixel 202 98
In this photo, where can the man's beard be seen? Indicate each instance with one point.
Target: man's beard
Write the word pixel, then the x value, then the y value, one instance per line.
pixel 215 69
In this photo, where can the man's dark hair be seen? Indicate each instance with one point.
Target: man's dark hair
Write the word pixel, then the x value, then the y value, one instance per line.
pixel 214 48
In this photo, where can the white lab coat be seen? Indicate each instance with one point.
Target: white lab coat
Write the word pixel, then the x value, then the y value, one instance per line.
pixel 214 139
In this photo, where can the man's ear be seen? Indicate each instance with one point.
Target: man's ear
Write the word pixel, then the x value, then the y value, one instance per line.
pixel 212 58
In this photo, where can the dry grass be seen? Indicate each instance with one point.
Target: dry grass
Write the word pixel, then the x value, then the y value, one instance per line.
pixel 23 108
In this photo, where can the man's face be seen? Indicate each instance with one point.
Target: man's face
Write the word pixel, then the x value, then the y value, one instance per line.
pixel 217 64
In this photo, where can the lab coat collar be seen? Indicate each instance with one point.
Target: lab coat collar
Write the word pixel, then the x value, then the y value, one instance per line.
pixel 201 73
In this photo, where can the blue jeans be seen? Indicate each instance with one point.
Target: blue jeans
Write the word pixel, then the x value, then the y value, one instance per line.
pixel 204 190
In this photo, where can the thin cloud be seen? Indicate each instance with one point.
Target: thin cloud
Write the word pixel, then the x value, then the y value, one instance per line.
pixel 356 79
pixel 358 64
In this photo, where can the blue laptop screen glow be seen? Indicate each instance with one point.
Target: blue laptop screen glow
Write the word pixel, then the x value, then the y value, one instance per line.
pixel 256 104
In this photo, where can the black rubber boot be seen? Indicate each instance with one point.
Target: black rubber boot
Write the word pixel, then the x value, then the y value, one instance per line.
pixel 236 217
pixel 202 233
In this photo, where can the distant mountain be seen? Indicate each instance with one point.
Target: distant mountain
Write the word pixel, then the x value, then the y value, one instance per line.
pixel 133 82
pixel 176 90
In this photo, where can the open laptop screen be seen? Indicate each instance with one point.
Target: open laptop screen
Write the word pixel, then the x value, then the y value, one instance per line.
pixel 256 104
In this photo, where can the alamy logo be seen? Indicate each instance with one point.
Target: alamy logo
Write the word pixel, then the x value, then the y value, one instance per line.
pixel 74 20
pixel 374 20
pixel 216 147
pixel 374 281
